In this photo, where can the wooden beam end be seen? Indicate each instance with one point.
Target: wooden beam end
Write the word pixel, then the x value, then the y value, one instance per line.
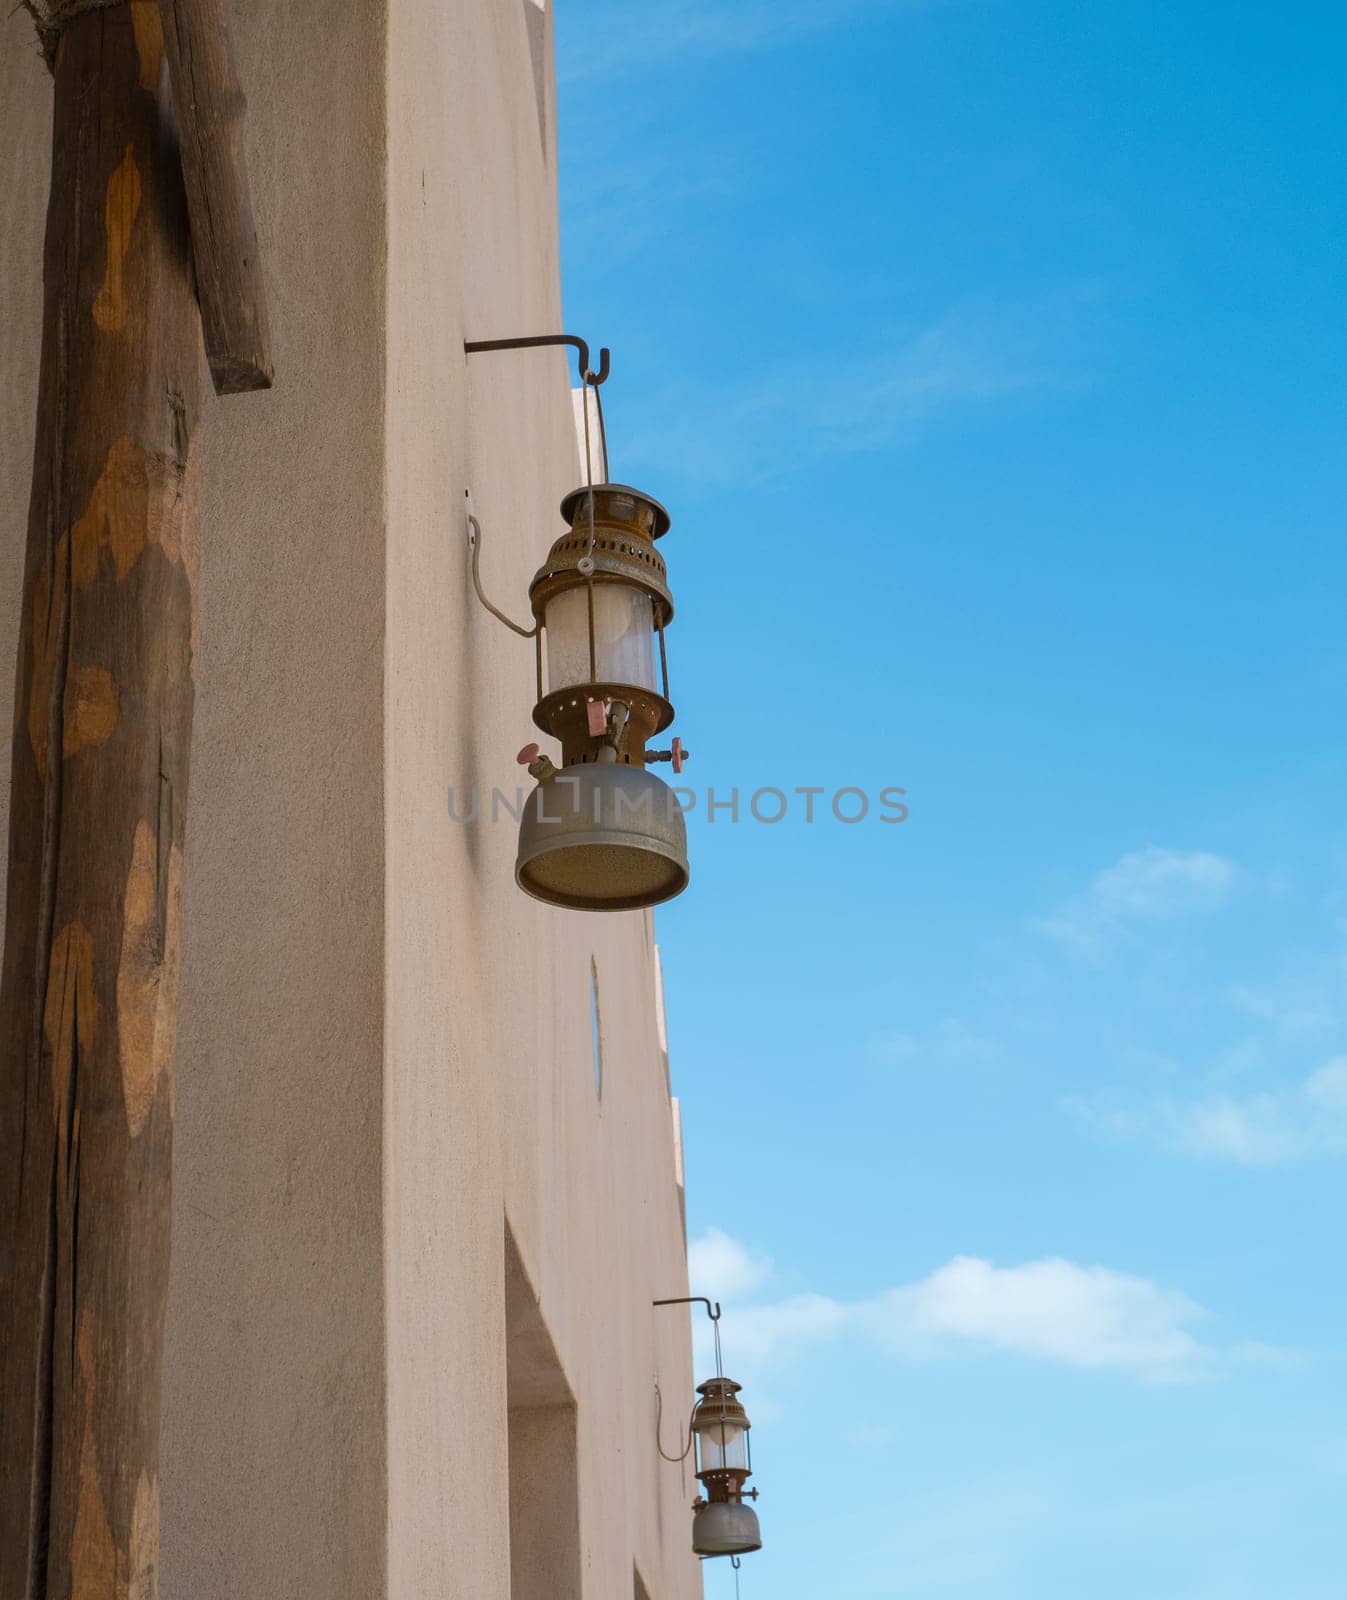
pixel 208 103
pixel 240 377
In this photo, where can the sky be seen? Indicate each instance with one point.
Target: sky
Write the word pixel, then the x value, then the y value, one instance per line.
pixel 990 357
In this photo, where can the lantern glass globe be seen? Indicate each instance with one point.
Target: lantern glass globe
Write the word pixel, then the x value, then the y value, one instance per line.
pixel 624 637
pixel 723 1445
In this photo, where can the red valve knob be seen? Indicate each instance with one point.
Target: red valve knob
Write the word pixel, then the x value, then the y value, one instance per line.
pixel 528 755
pixel 678 755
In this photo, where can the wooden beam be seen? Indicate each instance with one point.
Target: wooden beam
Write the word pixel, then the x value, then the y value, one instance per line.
pixel 103 717
pixel 209 104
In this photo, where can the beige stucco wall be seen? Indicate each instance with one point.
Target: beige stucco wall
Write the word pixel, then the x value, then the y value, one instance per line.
pixel 385 1049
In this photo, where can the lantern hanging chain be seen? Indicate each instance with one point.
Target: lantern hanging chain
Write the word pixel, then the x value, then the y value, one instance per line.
pixel 720 1374
pixel 603 433
pixel 586 563
pixel 588 569
pixel 475 542
pixel 659 1430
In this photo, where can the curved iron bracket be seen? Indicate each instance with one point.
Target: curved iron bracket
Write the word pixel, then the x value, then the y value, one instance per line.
pixel 580 346
pixel 693 1300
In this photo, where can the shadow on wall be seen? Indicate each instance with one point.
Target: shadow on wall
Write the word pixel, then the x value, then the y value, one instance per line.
pixel 544 1477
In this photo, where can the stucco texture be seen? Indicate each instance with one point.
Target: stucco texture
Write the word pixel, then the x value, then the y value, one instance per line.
pixel 401 1206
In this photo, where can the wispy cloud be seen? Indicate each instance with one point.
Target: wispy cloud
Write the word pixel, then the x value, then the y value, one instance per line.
pixel 950 1040
pixel 633 199
pixel 1253 1132
pixel 658 32
pixel 1298 1002
pixel 1143 886
pixel 830 404
pixel 1263 1129
pixel 1053 1310
pixel 969 358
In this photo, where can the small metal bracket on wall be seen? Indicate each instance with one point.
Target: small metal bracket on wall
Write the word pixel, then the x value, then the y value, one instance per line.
pixel 693 1300
pixel 589 379
pixel 587 375
pixel 712 1311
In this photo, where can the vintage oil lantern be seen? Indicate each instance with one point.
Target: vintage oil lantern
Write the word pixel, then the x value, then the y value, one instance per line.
pixel 601 832
pixel 722 1525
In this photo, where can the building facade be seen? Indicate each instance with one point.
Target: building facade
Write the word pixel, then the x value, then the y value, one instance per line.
pixel 428 1180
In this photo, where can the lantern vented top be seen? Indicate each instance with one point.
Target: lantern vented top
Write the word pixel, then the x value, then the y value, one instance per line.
pixel 619 502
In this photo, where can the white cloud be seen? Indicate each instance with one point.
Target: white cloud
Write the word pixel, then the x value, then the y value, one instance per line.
pixel 1162 883
pixel 722 1268
pixel 784 1328
pixel 1053 1310
pixel 1149 885
pixel 1253 1132
pixel 1268 1128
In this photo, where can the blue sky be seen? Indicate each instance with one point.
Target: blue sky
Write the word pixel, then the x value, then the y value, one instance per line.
pixel 990 356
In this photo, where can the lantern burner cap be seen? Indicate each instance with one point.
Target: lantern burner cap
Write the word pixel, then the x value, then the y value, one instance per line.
pixel 719 1405
pixel 572 507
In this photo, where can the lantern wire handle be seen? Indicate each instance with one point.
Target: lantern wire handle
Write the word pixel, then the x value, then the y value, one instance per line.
pixel 475 544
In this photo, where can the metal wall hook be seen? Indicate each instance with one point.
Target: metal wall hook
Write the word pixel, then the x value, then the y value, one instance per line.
pixel 693 1300
pixel 580 346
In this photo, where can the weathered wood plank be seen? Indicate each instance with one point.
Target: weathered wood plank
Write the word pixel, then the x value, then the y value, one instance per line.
pixel 103 713
pixel 209 104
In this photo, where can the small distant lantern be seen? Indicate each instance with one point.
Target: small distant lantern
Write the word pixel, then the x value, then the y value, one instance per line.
pixel 601 833
pixel 722 1525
